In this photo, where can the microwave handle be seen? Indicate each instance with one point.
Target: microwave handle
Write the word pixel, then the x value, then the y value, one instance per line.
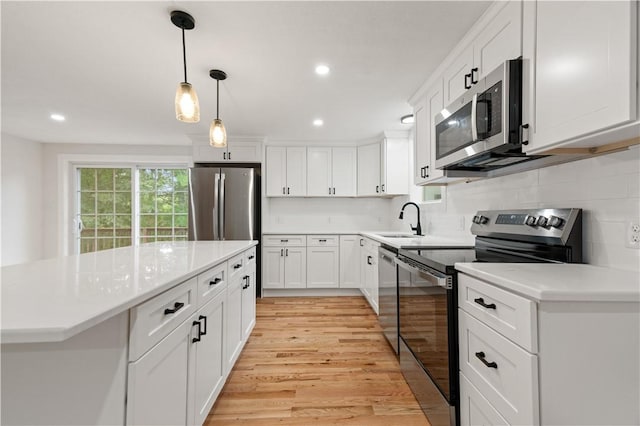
pixel 474 124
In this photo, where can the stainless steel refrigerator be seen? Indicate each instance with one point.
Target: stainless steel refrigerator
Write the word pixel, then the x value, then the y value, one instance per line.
pixel 224 203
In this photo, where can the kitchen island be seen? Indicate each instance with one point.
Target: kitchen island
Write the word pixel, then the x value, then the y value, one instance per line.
pixel 122 336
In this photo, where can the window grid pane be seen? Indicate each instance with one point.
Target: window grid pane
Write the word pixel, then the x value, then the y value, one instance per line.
pixel 163 204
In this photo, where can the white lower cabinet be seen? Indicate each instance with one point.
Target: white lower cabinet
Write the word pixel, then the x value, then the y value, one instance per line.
pixel 284 261
pixel 369 271
pixel 474 408
pixel 177 380
pixel 210 368
pixel 323 260
pixel 350 261
pixel 157 386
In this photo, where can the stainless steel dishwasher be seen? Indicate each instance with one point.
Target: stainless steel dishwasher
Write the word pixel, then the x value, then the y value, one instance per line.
pixel 388 295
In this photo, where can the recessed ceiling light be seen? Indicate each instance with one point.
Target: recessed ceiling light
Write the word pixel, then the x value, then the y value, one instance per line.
pixel 57 117
pixel 407 119
pixel 322 70
pixel 318 122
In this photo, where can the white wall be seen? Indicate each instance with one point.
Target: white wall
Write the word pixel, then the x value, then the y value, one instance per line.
pixel 607 188
pixel 23 211
pixel 57 178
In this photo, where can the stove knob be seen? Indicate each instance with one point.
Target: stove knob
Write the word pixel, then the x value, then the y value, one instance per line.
pixel 530 220
pixel 482 220
pixel 555 221
pixel 542 221
pixel 476 219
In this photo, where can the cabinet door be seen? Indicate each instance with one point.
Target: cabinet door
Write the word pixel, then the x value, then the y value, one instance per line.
pixel 246 152
pixel 369 169
pixel 395 167
pixel 584 79
pixel 365 272
pixel 435 104
pixel 295 267
pixel 373 268
pixel 343 171
pixel 276 171
pixel 296 171
pixel 322 267
pixel 157 382
pixel 249 303
pixel 454 75
pixel 500 40
pixel 233 322
pixel 210 364
pixel 349 261
pixel 208 153
pixel 421 141
pixel 273 267
pixel 319 172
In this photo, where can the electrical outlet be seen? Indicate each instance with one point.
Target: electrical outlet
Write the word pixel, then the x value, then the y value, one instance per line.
pixel 633 235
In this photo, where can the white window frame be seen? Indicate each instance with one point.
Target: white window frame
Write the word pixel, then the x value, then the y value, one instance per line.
pixel 67 187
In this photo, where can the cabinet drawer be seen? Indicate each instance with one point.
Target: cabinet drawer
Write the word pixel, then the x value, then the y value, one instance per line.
pixel 156 318
pixel 513 316
pixel 504 373
pixel 475 409
pixel 236 265
pixel 250 256
pixel 285 240
pixel 322 241
pixel 211 283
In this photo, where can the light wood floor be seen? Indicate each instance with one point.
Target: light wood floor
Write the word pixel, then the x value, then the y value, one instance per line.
pixel 320 361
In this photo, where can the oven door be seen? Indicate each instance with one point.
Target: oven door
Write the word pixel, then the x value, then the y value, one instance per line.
pixel 427 314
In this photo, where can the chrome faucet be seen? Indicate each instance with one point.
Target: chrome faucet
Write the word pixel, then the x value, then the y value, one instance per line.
pixel 418 227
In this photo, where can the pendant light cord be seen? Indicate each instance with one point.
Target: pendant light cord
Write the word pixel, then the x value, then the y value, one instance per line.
pixel 217 98
pixel 184 56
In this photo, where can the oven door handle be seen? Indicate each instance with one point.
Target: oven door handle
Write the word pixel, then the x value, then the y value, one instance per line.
pixel 431 276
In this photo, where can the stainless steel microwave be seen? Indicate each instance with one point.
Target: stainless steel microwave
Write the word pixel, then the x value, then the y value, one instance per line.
pixel 482 129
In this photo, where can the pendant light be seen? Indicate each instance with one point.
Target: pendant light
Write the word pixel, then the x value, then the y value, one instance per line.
pixel 217 132
pixel 187 106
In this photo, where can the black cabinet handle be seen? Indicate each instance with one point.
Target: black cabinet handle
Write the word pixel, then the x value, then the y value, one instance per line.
pixel 224 155
pixel 204 329
pixel 467 81
pixel 286 252
pixel 323 241
pixel 229 157
pixel 284 241
pixel 382 188
pixel 283 191
pixel 426 171
pixel 361 242
pixel 216 281
pixel 480 301
pixel 480 356
pixel 288 190
pixel 250 257
pixel 377 188
pixel 176 307
pixel 197 339
pixel 474 75
pixel 422 172
pixel 281 252
pixel 334 191
pixel 369 260
pixel 237 266
pixel 246 280
pixel 329 190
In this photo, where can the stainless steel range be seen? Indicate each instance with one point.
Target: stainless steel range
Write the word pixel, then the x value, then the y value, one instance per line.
pixel 427 294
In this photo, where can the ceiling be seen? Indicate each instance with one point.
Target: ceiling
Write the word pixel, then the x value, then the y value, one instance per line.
pixel 112 68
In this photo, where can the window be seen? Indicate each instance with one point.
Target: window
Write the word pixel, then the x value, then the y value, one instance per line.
pixel 111 213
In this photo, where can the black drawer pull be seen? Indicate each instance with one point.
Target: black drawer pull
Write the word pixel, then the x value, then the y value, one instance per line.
pixel 474 76
pixel 176 307
pixel 284 241
pixel 480 301
pixel 369 260
pixel 197 339
pixel 250 257
pixel 216 281
pixel 204 329
pixel 467 83
pixel 480 356
pixel 323 241
pixel 237 266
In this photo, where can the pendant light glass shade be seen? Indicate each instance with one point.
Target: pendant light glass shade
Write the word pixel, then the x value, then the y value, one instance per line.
pixel 217 134
pixel 187 105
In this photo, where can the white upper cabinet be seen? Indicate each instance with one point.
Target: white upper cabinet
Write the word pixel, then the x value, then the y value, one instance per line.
pixel 421 142
pixel 580 62
pixel 369 169
pixel 234 152
pixel 331 171
pixel 383 168
pixel 498 41
pixel 286 173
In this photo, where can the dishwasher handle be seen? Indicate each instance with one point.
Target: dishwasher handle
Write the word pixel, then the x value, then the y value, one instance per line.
pixel 427 274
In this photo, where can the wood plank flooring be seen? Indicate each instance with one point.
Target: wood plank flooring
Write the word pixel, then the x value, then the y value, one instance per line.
pixel 320 361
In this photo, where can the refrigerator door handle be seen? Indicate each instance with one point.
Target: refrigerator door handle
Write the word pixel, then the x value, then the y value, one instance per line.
pixel 216 207
pixel 221 208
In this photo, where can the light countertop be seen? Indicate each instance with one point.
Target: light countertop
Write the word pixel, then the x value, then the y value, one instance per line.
pixel 53 299
pixel 559 282
pixel 384 237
